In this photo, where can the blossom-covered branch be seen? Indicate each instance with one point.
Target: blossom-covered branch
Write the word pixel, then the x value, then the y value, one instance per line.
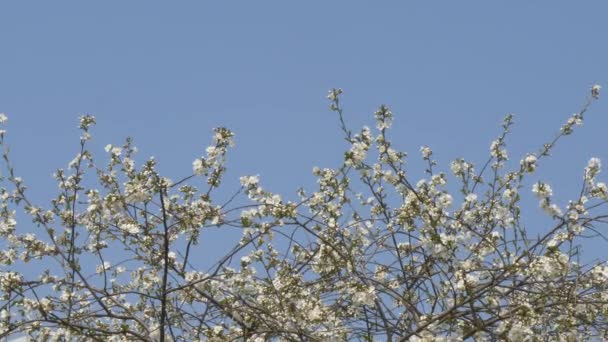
pixel 370 253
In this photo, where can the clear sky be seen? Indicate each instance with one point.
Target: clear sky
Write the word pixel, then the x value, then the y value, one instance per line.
pixel 166 73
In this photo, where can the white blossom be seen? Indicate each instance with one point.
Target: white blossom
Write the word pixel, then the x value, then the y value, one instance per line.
pixel 542 190
pixel 426 152
pixel 199 167
pixel 529 163
pixel 593 168
pixel 595 90
pixel 247 181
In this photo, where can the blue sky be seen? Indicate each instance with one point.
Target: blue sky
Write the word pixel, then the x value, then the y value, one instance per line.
pixel 167 73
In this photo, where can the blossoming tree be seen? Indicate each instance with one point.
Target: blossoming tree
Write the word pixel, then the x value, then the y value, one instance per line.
pixel 368 255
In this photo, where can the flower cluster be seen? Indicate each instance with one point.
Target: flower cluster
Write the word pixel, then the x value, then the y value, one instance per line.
pixel 367 254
